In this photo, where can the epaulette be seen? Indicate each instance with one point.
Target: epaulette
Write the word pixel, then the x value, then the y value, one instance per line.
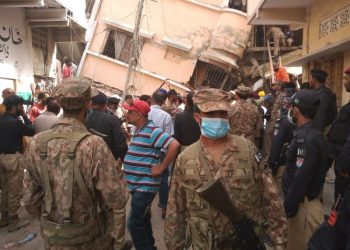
pixel 95 132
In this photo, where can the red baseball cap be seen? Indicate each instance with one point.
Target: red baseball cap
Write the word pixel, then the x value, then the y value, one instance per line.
pixel 137 105
pixel 347 71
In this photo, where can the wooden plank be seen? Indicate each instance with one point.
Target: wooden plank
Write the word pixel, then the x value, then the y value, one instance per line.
pixel 270 61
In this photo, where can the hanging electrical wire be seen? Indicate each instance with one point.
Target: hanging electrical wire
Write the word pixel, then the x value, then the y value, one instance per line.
pixel 135 51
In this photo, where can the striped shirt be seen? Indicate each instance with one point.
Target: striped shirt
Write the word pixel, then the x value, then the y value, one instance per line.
pixel 144 151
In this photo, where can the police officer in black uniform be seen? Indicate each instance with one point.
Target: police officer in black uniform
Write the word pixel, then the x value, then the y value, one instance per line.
pixel 328 102
pixel 336 139
pixel 281 137
pixel 306 167
pixel 107 126
pixel 334 234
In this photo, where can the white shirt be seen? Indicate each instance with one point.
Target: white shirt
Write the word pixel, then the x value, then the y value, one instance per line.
pixel 45 121
pixel 161 119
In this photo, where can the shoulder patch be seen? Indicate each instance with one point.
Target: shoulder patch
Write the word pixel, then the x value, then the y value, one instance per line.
pixel 299 162
pixel 259 156
pixel 301 152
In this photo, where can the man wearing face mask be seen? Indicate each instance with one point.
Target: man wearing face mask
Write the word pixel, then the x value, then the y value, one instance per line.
pixel 306 167
pixel 233 160
pixel 281 137
pixel 12 131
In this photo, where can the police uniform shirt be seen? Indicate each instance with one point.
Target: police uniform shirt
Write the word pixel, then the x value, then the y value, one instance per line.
pixel 282 135
pixel 110 128
pixel 339 131
pixel 343 161
pixel 306 167
pixel 12 131
pixel 328 108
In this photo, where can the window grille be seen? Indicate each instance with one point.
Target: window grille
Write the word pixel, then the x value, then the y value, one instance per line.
pixel 216 77
pixel 39 37
pixel 118 46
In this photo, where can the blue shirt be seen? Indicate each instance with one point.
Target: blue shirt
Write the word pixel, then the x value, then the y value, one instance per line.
pixel 144 151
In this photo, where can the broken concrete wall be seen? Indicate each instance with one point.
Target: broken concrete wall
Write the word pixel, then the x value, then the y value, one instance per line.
pixel 190 27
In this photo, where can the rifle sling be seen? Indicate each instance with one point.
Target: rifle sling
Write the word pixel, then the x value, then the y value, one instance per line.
pixel 206 169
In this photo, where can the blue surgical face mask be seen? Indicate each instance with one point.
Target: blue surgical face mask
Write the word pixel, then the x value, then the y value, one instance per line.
pixel 214 128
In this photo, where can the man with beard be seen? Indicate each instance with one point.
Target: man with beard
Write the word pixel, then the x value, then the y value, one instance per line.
pixel 306 167
pixel 328 101
pixel 337 135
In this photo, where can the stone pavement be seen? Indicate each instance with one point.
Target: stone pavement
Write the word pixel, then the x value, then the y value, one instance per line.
pixel 38 243
pixel 157 222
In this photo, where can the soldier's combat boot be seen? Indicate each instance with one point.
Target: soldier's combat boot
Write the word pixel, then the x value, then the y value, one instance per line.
pixel 16 224
pixel 5 220
pixel 128 245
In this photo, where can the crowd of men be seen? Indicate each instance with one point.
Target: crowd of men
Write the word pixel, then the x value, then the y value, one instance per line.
pixel 235 182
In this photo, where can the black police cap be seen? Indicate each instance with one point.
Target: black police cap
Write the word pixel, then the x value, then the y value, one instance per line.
pixel 101 98
pixel 319 74
pixel 305 98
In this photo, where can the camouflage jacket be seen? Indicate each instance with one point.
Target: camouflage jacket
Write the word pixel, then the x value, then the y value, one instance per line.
pixel 249 185
pixel 246 120
pixel 171 108
pixel 100 172
pixel 275 112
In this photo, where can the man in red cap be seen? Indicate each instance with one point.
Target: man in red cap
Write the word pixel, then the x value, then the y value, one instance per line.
pixel 336 139
pixel 143 168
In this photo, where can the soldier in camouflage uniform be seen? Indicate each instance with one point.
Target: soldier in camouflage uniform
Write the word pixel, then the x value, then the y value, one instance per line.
pixel 72 181
pixel 170 106
pixel 279 95
pixel 245 116
pixel 231 159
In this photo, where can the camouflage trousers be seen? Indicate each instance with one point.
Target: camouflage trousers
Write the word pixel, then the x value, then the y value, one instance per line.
pixel 278 179
pixel 268 139
pixel 302 226
pixel 277 40
pixel 11 174
pixel 104 242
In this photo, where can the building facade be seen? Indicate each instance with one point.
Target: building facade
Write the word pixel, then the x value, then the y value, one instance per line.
pixel 183 42
pixel 325 26
pixel 30 33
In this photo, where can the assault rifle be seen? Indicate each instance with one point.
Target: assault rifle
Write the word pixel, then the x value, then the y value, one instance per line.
pixel 245 237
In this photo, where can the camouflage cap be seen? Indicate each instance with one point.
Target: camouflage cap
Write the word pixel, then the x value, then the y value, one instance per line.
pixel 208 100
pixel 73 92
pixel 243 90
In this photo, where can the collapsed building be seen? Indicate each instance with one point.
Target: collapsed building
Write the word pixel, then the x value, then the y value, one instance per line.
pixel 187 43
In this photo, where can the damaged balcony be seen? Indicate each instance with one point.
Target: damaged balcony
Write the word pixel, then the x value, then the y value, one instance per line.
pixel 171 48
